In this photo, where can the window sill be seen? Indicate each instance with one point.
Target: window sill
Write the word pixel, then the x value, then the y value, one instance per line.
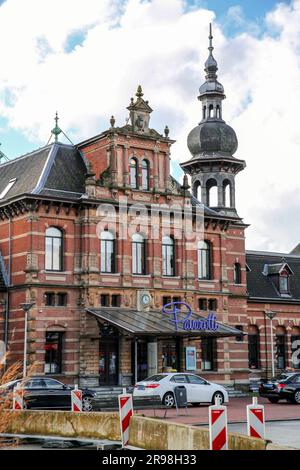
pixel 109 274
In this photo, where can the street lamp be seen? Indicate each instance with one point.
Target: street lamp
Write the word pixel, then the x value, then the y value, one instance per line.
pixel 26 307
pixel 272 315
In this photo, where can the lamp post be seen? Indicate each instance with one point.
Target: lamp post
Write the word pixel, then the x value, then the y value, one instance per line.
pixel 26 307
pixel 272 315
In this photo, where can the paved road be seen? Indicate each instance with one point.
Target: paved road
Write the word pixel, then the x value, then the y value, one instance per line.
pixel 286 433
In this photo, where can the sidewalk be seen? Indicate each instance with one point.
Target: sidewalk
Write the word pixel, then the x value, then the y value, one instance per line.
pixel 236 412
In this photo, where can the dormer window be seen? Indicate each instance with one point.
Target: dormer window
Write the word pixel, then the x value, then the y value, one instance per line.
pixel 279 275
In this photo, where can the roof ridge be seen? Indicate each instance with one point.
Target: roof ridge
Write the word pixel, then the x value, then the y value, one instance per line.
pixel 29 154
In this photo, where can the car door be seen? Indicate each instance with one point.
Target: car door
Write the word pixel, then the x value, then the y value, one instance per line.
pixel 58 395
pixel 35 393
pixel 200 391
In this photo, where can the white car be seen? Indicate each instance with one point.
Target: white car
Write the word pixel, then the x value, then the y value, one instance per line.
pixel 198 389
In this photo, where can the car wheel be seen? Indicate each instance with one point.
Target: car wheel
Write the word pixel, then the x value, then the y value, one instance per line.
pixel 168 400
pixel 297 397
pixel 217 395
pixel 273 400
pixel 196 404
pixel 87 404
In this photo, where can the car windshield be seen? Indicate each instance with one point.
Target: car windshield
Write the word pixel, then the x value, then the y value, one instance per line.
pixel 155 378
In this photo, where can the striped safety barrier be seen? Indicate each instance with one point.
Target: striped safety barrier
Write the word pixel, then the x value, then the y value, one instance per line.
pixel 76 399
pixel 18 398
pixel 256 419
pixel 218 434
pixel 125 412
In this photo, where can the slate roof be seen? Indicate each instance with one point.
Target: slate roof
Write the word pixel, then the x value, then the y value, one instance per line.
pixel 56 170
pixel 261 286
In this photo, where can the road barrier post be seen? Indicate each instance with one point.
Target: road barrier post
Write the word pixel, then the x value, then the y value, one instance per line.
pixel 76 400
pixel 125 412
pixel 256 419
pixel 218 434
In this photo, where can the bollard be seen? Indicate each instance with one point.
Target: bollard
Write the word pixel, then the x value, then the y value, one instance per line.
pixel 18 397
pixel 256 419
pixel 218 434
pixel 76 400
pixel 125 412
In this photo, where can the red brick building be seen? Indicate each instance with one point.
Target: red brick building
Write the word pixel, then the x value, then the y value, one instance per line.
pixel 93 235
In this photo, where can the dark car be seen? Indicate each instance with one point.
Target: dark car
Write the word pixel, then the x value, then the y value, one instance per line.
pixel 47 393
pixel 287 387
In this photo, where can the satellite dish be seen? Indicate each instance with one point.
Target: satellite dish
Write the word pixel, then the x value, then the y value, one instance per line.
pixel 2 352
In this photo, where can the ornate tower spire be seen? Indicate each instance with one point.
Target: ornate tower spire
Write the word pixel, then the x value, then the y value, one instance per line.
pixel 212 144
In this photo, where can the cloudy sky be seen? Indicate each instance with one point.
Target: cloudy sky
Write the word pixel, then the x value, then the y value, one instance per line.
pixel 86 58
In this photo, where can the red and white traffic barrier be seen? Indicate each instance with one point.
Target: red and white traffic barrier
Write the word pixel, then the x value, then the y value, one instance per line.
pixel 125 412
pixel 218 434
pixel 76 399
pixel 256 420
pixel 18 398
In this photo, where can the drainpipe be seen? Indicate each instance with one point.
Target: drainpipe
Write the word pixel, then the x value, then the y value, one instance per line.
pixel 7 302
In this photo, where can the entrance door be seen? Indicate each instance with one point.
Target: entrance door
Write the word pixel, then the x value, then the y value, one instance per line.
pixel 108 356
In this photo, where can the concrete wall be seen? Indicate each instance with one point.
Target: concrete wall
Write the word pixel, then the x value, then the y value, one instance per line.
pixel 155 434
pixel 61 423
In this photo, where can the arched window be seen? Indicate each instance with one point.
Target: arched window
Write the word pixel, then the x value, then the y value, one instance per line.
pixel 280 340
pixel 197 190
pixel 145 175
pixel 211 111
pixel 227 193
pixel 204 260
pixel 237 273
pixel 138 254
pixel 253 347
pixel 133 173
pixel 204 112
pixel 107 252
pixel 295 346
pixel 212 193
pixel 218 109
pixel 54 249
pixel 168 256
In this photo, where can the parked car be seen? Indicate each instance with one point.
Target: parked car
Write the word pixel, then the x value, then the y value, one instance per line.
pixel 286 387
pixel 47 393
pixel 198 389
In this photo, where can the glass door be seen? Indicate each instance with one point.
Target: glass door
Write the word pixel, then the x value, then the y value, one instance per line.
pixel 108 357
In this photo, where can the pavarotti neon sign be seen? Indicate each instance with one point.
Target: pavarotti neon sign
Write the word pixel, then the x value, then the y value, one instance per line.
pixel 183 319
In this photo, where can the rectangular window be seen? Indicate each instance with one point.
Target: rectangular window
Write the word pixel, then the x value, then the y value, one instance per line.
pixel 104 300
pixel 212 304
pixel 167 300
pixel 176 299
pixel 202 304
pixel 209 354
pixel 53 352
pixel 50 299
pixel 115 300
pixel 61 299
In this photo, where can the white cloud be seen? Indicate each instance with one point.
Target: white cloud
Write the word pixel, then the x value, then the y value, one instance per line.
pixel 162 46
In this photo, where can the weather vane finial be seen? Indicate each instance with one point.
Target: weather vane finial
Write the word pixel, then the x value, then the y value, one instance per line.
pixel 56 130
pixel 210 37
